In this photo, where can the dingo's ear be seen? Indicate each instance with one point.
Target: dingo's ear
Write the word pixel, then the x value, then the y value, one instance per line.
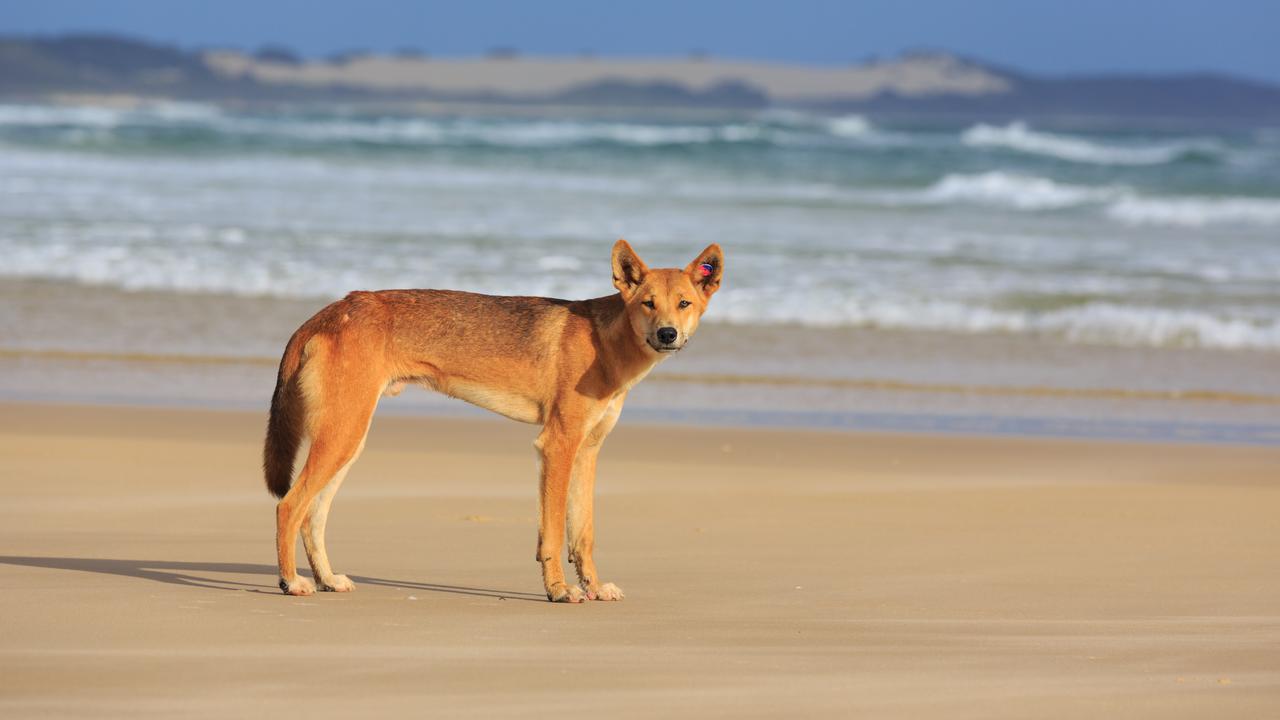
pixel 706 269
pixel 628 269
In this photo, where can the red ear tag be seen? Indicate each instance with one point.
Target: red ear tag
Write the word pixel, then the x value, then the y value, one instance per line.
pixel 706 270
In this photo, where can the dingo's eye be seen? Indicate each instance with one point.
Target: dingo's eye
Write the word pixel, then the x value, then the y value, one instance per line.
pixel 648 304
pixel 684 304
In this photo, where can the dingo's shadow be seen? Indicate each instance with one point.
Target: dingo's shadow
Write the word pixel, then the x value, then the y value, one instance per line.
pixel 195 574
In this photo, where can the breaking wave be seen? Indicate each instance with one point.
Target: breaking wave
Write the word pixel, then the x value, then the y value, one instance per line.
pixel 1118 202
pixel 850 126
pixel 160 123
pixel 217 267
pixel 1017 136
pixel 1094 323
pixel 780 126
pixel 1020 192
pixel 1196 211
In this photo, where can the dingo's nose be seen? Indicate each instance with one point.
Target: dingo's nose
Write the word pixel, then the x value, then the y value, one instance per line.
pixel 667 335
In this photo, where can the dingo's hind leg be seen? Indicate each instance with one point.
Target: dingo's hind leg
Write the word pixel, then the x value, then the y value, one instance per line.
pixel 338 428
pixel 313 526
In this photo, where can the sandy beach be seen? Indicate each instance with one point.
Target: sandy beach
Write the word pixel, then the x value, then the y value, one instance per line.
pixel 983 424
pixel 774 573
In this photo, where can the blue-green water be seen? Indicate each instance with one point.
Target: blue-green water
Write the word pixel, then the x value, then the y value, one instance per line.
pixel 1114 237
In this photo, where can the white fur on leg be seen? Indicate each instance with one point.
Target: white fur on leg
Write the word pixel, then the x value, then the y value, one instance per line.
pixel 337 583
pixel 297 586
pixel 607 591
pixel 313 532
pixel 563 593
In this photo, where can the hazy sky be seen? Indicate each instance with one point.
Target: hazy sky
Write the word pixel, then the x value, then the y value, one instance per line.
pixel 1045 36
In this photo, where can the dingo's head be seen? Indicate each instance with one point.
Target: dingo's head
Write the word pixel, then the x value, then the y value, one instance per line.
pixel 664 305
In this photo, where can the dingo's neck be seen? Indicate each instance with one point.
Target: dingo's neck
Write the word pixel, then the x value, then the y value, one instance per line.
pixel 627 357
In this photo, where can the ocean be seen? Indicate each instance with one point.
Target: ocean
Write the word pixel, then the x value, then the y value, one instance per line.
pixel 205 232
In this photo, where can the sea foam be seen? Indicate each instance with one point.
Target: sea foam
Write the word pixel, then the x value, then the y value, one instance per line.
pixel 1019 137
pixel 850 126
pixel 1196 211
pixel 1093 323
pixel 220 264
pixel 1013 190
pixel 496 133
pixel 156 112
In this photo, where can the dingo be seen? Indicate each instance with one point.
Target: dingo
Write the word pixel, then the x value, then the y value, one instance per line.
pixel 564 364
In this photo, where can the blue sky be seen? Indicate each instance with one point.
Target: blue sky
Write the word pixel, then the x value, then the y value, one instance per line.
pixel 1044 36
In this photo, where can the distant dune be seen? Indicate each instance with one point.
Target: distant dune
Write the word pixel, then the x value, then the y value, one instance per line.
pixel 919 84
pixel 536 78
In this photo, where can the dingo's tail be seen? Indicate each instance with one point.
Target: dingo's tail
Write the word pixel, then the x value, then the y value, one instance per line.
pixel 287 420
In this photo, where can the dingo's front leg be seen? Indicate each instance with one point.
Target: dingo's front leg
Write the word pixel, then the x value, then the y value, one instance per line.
pixel 557 447
pixel 582 527
pixel 581 510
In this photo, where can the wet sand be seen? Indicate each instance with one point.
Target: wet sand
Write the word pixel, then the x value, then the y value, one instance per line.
pixel 70 343
pixel 768 573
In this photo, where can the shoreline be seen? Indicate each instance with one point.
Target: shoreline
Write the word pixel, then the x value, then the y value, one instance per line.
pixel 922 425
pixel 244 383
pixel 66 342
pixel 864 383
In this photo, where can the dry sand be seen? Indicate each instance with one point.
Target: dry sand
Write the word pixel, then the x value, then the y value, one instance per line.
pixel 768 574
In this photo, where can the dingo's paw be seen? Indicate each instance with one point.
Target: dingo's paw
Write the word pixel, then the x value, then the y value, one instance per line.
pixel 566 593
pixel 297 586
pixel 606 591
pixel 337 583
